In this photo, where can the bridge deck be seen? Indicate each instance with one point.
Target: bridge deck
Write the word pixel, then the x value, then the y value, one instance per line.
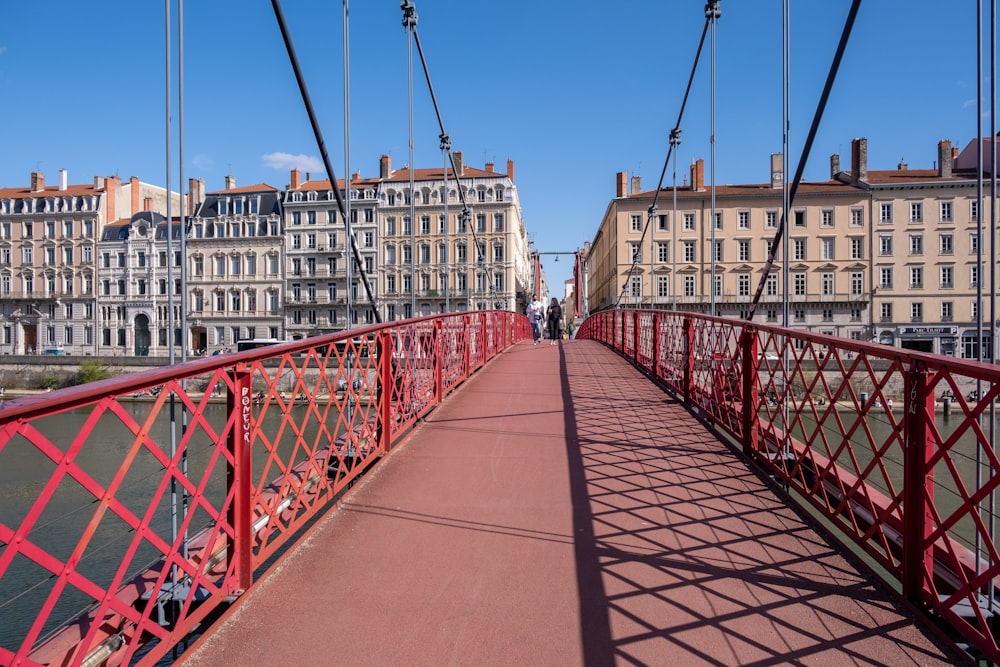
pixel 560 509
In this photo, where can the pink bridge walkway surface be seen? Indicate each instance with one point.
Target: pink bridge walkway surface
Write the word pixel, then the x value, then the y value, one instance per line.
pixel 561 509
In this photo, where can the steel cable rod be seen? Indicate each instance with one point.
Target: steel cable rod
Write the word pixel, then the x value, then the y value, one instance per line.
pixel 806 149
pixel 675 134
pixel 318 134
pixel 410 21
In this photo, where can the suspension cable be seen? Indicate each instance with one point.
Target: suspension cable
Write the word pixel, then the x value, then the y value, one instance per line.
pixel 410 22
pixel 711 12
pixel 293 59
pixel 806 149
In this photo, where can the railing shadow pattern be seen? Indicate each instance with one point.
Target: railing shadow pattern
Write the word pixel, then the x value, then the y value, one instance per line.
pixel 894 447
pixel 680 574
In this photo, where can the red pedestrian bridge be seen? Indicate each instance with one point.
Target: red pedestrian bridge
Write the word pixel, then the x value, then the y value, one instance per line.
pixel 666 487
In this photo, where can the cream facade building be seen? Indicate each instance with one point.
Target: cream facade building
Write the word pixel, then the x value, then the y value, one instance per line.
pixel 885 255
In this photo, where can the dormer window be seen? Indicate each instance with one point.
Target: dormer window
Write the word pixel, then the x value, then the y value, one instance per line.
pixel 223 206
pixel 311 196
pixel 238 206
pixel 254 205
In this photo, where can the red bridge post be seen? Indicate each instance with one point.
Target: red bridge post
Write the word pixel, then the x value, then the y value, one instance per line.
pixel 918 482
pixel 239 479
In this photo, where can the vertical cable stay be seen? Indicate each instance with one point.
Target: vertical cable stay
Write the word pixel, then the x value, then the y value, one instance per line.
pixel 290 48
pixel 410 23
pixel 675 140
pixel 806 149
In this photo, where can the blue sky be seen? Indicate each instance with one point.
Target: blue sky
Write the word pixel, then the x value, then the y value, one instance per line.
pixel 573 92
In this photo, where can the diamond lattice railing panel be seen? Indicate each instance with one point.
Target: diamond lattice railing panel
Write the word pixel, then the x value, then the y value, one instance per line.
pixel 847 425
pixel 121 515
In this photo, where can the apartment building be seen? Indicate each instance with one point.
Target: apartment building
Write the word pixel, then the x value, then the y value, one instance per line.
pixel 438 255
pixel 929 256
pixel 320 276
pixel 880 255
pixel 688 260
pixel 235 273
pixel 48 260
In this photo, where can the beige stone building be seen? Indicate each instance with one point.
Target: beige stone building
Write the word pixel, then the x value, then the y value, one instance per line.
pixel 435 264
pixel 49 269
pixel 887 255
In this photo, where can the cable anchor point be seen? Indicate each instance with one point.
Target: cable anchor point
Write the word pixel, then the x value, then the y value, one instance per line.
pixel 445 141
pixel 712 10
pixel 409 14
pixel 675 136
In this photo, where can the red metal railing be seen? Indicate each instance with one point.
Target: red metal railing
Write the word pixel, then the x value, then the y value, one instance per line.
pixel 895 448
pixel 148 524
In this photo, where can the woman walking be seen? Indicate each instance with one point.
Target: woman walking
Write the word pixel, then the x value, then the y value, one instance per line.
pixel 554 321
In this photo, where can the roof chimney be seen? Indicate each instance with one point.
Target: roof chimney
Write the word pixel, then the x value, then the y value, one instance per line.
pixel 944 159
pixel 620 187
pixel 636 184
pixel 230 182
pixel 133 185
pixel 698 174
pixel 777 170
pixel 63 178
pixel 296 179
pixel 489 167
pixel 147 204
pixel 510 170
pixel 459 169
pixel 37 181
pixel 98 182
pixel 385 166
pixel 902 166
pixel 859 159
pixel 196 194
pixel 834 165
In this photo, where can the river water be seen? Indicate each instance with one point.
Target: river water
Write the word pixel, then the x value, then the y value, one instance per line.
pixel 25 472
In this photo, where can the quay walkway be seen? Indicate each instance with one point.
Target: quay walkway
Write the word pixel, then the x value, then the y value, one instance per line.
pixel 561 509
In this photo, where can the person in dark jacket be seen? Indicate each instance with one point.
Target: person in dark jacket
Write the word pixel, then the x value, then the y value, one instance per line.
pixel 554 321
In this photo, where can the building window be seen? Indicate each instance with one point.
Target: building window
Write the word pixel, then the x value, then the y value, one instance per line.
pixel 947 214
pixel 663 286
pixel 689 286
pixel 663 222
pixel 828 284
pixel 857 283
pixel 947 277
pixel 689 251
pixel 689 222
pixel 771 219
pixel 771 285
pixel 799 249
pixel 826 249
pixel 743 219
pixel 916 244
pixel 916 277
pixel 743 250
pixel 718 220
pixel 799 284
pixel 973 276
pixel 636 222
pixel 857 217
pixel 857 247
pixel 663 252
pixel 718 251
pixel 916 211
pixel 743 284
pixel 885 278
pixel 800 218
pixel 946 244
pixel 885 312
pixel 947 311
pixel 916 311
pixel 826 217
pixel 885 213
pixel 885 245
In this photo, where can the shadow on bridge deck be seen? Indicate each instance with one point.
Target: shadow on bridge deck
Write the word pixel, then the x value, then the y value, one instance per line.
pixel 560 509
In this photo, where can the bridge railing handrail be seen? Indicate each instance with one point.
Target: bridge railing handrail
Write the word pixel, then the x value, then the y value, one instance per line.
pixel 262 442
pixel 894 447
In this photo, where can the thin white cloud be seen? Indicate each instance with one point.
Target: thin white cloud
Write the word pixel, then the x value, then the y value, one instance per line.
pixel 286 161
pixel 968 103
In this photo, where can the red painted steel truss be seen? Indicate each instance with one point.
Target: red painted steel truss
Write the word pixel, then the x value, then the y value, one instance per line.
pixel 136 527
pixel 895 448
